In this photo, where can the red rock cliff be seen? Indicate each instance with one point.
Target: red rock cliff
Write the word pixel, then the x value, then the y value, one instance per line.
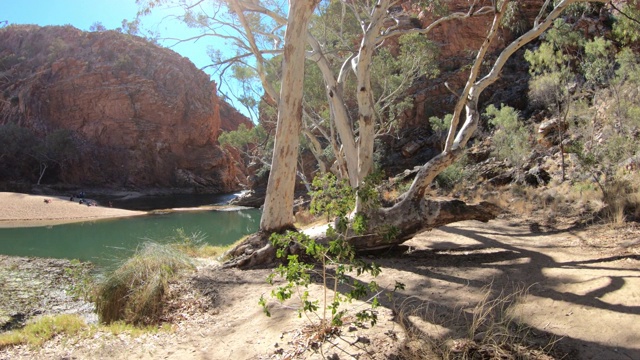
pixel 458 42
pixel 146 116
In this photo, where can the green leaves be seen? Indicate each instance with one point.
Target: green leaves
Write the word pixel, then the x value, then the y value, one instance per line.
pixel 331 197
pixel 438 124
pixel 598 61
pixel 627 25
pixel 242 137
pixel 333 261
pixel 393 72
pixel 545 58
pixel 263 303
pixel 511 140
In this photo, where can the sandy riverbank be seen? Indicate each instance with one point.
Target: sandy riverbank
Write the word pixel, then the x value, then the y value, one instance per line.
pixel 21 210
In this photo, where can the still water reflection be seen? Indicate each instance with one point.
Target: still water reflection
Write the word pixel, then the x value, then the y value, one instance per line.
pixel 106 241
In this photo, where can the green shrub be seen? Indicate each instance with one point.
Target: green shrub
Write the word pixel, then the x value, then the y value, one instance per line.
pixel 626 28
pixel 453 174
pixel 331 197
pixel 332 260
pixel 511 139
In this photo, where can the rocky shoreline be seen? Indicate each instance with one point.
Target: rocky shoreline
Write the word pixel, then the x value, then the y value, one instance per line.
pixel 31 287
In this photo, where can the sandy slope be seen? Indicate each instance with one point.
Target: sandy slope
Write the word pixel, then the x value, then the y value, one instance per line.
pixel 18 210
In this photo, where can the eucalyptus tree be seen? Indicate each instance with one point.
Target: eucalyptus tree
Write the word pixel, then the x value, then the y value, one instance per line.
pixel 258 30
pixel 414 212
pixel 363 81
pixel 260 22
pixel 277 214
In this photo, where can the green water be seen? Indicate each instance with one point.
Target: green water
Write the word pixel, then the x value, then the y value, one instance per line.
pixel 105 242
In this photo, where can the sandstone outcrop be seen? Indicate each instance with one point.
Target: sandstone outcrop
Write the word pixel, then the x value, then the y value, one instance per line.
pixel 143 115
pixel 458 42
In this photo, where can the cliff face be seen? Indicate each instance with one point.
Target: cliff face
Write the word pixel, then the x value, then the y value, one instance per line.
pixel 144 115
pixel 458 42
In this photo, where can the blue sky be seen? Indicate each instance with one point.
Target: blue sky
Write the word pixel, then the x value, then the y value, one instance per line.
pixel 84 13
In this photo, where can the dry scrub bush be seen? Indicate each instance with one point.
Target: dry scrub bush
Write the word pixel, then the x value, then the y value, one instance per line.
pixel 133 292
pixel 487 331
pixel 622 199
pixel 392 189
pixel 517 199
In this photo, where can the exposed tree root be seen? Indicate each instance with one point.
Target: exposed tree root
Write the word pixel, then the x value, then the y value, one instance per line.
pixel 254 252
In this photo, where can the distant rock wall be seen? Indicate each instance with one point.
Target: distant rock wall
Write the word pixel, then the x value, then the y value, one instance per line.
pixel 458 41
pixel 145 116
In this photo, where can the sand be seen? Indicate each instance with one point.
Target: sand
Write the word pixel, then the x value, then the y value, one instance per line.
pixel 22 210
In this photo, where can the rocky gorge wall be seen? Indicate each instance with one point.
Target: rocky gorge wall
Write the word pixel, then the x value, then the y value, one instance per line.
pixel 143 115
pixel 458 42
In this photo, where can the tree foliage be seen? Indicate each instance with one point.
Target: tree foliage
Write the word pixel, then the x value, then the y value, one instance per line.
pixel 334 261
pixel 22 152
pixel 589 82
pixel 244 138
pixel 627 26
pixel 511 136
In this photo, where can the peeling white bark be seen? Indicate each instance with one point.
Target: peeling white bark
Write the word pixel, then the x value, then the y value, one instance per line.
pixel 278 207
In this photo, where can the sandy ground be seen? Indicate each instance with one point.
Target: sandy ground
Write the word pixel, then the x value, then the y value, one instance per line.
pixel 581 292
pixel 21 210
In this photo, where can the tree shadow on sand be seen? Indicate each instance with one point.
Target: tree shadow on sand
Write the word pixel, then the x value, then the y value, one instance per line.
pixel 461 262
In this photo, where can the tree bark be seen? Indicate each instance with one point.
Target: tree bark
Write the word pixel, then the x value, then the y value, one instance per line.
pixel 339 111
pixel 278 206
pixel 408 218
pixel 364 93
pixel 255 251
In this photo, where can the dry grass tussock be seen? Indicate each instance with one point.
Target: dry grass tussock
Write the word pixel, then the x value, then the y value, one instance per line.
pixel 489 330
pixel 622 200
pixel 134 292
pixel 194 244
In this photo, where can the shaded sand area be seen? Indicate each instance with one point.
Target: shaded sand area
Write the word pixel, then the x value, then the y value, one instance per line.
pixel 22 210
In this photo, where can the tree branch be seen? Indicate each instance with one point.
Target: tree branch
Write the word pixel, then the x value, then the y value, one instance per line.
pixel 623 13
pixel 473 75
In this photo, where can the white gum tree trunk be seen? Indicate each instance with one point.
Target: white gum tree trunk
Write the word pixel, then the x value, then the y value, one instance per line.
pixel 364 93
pixel 278 206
